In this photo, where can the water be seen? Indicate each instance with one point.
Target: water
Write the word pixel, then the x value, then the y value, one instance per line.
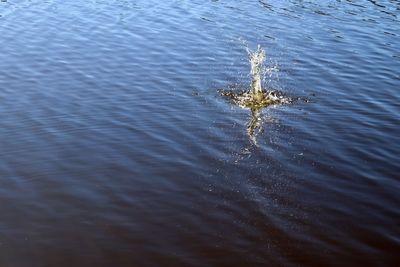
pixel 255 97
pixel 118 150
pixel 257 59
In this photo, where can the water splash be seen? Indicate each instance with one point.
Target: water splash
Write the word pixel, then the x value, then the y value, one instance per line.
pixel 257 59
pixel 256 97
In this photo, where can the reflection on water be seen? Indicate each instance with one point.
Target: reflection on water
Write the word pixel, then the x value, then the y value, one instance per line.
pixel 254 127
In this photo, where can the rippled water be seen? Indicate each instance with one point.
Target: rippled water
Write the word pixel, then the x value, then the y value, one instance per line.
pixel 117 150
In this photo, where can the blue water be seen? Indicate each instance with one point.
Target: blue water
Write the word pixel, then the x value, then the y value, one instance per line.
pixel 117 149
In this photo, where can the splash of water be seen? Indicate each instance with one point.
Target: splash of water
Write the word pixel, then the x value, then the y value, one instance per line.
pixel 256 98
pixel 257 59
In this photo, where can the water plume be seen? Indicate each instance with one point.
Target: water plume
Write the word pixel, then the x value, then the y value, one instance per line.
pixel 256 97
pixel 257 59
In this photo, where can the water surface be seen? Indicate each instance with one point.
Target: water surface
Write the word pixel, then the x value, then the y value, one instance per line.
pixel 117 150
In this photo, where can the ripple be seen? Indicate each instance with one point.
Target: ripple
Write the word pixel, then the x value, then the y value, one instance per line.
pixel 118 151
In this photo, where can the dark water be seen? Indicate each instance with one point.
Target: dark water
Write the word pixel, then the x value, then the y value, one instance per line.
pixel 116 149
